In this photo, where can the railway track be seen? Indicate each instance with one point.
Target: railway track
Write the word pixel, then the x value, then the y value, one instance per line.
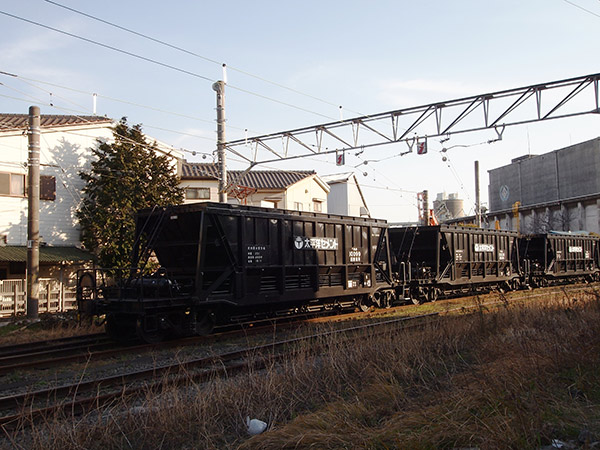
pixel 84 396
pixel 98 346
pixel 81 397
pixel 13 357
pixel 30 347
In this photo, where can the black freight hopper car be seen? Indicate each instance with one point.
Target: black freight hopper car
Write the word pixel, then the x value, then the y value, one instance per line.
pixel 560 257
pixel 445 260
pixel 221 262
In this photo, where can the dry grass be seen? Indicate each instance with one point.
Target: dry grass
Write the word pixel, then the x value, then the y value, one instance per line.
pixel 513 378
pixel 50 326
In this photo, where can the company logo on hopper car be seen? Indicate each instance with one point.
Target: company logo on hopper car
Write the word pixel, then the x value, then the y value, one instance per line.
pixel 575 249
pixel 315 243
pixel 484 247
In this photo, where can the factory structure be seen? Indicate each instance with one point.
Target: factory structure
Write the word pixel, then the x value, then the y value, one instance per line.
pixel 559 190
pixel 448 206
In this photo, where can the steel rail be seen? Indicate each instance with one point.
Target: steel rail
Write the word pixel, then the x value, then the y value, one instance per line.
pixel 206 368
pixel 197 370
pixel 13 349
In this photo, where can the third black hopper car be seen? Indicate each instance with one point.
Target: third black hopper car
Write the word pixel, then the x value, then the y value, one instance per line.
pixel 221 263
pixel 448 260
pixel 552 258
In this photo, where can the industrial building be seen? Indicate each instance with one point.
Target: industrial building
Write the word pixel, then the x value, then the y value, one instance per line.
pixel 448 206
pixel 559 190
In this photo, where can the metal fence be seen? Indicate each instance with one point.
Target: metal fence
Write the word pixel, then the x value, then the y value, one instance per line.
pixel 54 297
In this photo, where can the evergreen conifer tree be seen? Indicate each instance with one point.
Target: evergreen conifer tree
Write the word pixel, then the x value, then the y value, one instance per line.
pixel 127 175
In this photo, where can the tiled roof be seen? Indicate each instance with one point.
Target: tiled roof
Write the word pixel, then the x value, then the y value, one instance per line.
pixel 16 121
pixel 259 179
pixel 13 253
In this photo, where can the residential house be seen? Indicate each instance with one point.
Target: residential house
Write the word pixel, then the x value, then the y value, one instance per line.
pixel 345 196
pixel 300 190
pixel 66 143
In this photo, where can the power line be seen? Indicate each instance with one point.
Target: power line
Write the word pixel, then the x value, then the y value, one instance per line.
pixel 581 8
pixel 127 102
pixel 110 47
pixel 39 101
pixel 49 92
pixel 159 63
pixel 188 52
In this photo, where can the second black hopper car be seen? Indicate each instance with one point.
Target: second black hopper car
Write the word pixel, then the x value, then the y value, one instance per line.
pixel 221 263
pixel 445 260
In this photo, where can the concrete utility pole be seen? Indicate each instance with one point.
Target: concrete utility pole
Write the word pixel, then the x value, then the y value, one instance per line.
pixel 219 88
pixel 426 208
pixel 33 214
pixel 477 199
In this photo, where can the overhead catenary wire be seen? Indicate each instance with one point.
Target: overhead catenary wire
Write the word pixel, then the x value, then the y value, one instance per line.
pixel 32 81
pixel 582 8
pixel 197 55
pixel 159 63
pixel 383 187
pixel 454 172
pixel 39 101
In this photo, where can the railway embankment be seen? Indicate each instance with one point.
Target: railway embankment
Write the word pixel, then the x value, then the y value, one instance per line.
pixel 506 374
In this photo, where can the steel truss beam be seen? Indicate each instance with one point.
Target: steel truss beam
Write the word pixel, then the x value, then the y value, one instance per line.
pixel 497 110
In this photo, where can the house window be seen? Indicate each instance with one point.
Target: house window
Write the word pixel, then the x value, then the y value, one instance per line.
pixel 47 188
pixel 12 184
pixel 298 206
pixel 318 206
pixel 197 193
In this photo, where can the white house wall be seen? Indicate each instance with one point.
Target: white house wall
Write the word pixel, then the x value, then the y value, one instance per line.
pixel 64 152
pixel 305 192
pixel 213 185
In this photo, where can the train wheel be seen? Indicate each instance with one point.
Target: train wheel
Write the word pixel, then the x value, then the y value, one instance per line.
pixel 364 303
pixel 419 295
pixel 120 329
pixel 205 322
pixel 149 336
pixel 377 299
pixel 389 299
pixel 434 294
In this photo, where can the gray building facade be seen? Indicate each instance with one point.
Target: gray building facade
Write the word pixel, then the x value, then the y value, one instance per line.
pixel 559 190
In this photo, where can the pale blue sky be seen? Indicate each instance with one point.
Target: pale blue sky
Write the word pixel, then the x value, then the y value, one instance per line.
pixel 369 57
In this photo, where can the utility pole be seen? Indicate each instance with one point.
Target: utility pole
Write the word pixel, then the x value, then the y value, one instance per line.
pixel 33 214
pixel 426 208
pixel 477 199
pixel 219 88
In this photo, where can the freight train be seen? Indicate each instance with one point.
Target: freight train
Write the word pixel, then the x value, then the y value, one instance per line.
pixel 221 263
